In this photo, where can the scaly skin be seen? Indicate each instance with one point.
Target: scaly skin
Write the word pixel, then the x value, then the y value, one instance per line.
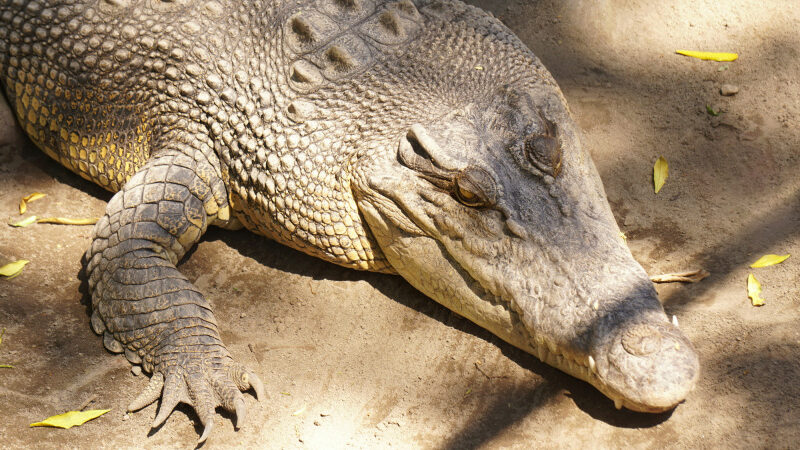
pixel 419 138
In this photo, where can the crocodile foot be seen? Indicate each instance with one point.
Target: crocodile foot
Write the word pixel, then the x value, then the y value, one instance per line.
pixel 203 383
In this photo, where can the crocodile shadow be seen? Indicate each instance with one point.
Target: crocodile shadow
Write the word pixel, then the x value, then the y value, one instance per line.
pixel 272 254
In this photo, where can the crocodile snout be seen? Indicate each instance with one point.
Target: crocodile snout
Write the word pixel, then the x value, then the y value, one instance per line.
pixel 649 367
pixel 641 340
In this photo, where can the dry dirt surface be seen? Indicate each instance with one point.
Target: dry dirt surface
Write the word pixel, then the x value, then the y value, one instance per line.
pixel 359 360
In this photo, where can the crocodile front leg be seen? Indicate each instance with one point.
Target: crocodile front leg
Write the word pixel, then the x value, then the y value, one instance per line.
pixel 147 309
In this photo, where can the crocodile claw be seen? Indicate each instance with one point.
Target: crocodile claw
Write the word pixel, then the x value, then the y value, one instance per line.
pixel 256 384
pixel 241 413
pixel 204 385
pixel 150 394
pixel 206 431
pixel 174 392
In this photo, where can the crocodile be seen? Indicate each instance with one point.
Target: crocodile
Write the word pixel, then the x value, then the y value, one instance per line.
pixel 419 138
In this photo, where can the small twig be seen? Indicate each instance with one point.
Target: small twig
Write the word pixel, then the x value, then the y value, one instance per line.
pixel 91 398
pixel 489 377
pixel 681 277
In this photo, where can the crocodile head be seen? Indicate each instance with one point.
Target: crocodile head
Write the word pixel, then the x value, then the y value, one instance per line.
pixel 497 212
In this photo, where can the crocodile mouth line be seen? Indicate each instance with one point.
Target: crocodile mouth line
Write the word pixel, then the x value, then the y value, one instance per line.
pixel 584 368
pixel 575 362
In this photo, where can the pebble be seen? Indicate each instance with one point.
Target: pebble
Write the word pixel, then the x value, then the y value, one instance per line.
pixel 136 370
pixel 126 417
pixel 728 90
pixel 242 315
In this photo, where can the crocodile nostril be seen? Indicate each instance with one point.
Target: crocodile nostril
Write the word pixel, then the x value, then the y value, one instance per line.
pixel 641 340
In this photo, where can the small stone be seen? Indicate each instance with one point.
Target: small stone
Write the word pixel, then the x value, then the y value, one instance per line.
pixel 136 370
pixel 242 315
pixel 728 90
pixel 126 417
pixel 316 423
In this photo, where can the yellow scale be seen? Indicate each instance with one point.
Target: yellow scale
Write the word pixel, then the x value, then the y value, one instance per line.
pixel 80 129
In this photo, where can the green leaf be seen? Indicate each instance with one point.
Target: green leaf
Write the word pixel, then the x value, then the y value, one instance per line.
pixel 660 173
pixel 754 290
pixel 13 269
pixel 24 222
pixel 769 260
pixel 711 111
pixel 6 366
pixel 70 419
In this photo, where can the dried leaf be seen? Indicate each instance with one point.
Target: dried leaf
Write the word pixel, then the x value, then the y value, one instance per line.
pixel 24 222
pixel 711 111
pixel 23 204
pixel 623 236
pixel 68 221
pixel 754 290
pixel 4 366
pixel 660 173
pixel 681 277
pixel 710 56
pixel 769 260
pixel 13 269
pixel 71 419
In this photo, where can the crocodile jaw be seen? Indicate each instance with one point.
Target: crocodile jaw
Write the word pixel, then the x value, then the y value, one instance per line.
pixel 552 279
pixel 622 349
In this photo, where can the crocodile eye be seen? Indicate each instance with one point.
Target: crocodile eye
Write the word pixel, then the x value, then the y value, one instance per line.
pixel 465 195
pixel 543 149
pixel 474 187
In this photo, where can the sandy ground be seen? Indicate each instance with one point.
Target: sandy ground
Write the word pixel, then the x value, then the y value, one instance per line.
pixel 363 360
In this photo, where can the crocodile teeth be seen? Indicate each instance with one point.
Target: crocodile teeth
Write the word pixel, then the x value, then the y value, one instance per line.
pixel 675 320
pixel 592 364
pixel 618 403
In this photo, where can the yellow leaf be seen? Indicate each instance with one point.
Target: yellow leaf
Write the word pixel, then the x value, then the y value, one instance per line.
pixel 660 173
pixel 754 290
pixel 712 56
pixel 300 411
pixel 23 204
pixel 13 269
pixel 24 222
pixel 71 419
pixel 68 221
pixel 769 260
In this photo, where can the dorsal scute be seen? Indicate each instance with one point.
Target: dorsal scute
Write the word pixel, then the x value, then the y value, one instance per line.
pixel 337 39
